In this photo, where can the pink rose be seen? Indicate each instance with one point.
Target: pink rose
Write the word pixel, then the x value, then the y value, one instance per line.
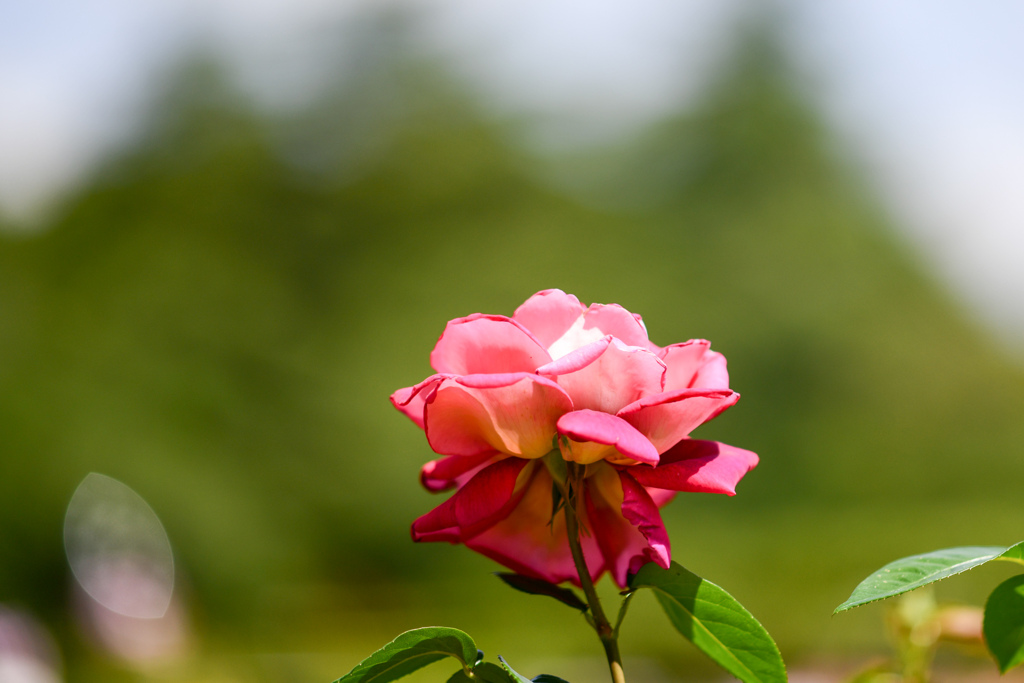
pixel 507 388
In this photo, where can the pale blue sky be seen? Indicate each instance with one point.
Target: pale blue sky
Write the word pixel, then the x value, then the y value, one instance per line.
pixel 928 95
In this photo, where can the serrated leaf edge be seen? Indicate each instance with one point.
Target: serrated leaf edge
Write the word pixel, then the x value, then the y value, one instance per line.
pixel 848 604
pixel 516 676
pixel 400 662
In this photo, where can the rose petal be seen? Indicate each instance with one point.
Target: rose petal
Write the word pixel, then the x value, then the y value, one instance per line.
pixel 487 344
pixel 712 374
pixel 548 314
pixel 693 365
pixel 447 473
pixel 698 466
pixel 578 359
pixel 598 321
pixel 618 377
pixel 602 428
pixel 683 360
pixel 615 320
pixel 667 418
pixel 412 400
pixel 640 510
pixel 513 413
pixel 525 542
pixel 661 497
pixel 625 522
pixel 485 499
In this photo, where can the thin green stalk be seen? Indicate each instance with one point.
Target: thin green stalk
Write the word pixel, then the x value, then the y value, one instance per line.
pixel 607 634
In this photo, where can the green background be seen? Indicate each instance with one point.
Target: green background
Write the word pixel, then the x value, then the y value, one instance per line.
pixel 217 316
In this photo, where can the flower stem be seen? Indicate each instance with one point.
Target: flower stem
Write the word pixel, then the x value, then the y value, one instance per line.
pixel 607 634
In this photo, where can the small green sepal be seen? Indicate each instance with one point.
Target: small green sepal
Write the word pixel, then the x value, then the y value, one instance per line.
pixel 528 584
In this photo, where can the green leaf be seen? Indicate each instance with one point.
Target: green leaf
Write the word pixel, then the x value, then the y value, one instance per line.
pixel 411 651
pixel 1004 623
pixel 533 586
pixel 484 672
pixel 712 620
pixel 492 673
pixel 516 677
pixel 915 571
pixel 548 678
pixel 1015 553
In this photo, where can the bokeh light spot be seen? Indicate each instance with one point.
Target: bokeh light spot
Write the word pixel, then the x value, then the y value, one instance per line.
pixel 118 549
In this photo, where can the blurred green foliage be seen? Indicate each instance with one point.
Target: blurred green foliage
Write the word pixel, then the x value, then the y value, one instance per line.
pixel 217 317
